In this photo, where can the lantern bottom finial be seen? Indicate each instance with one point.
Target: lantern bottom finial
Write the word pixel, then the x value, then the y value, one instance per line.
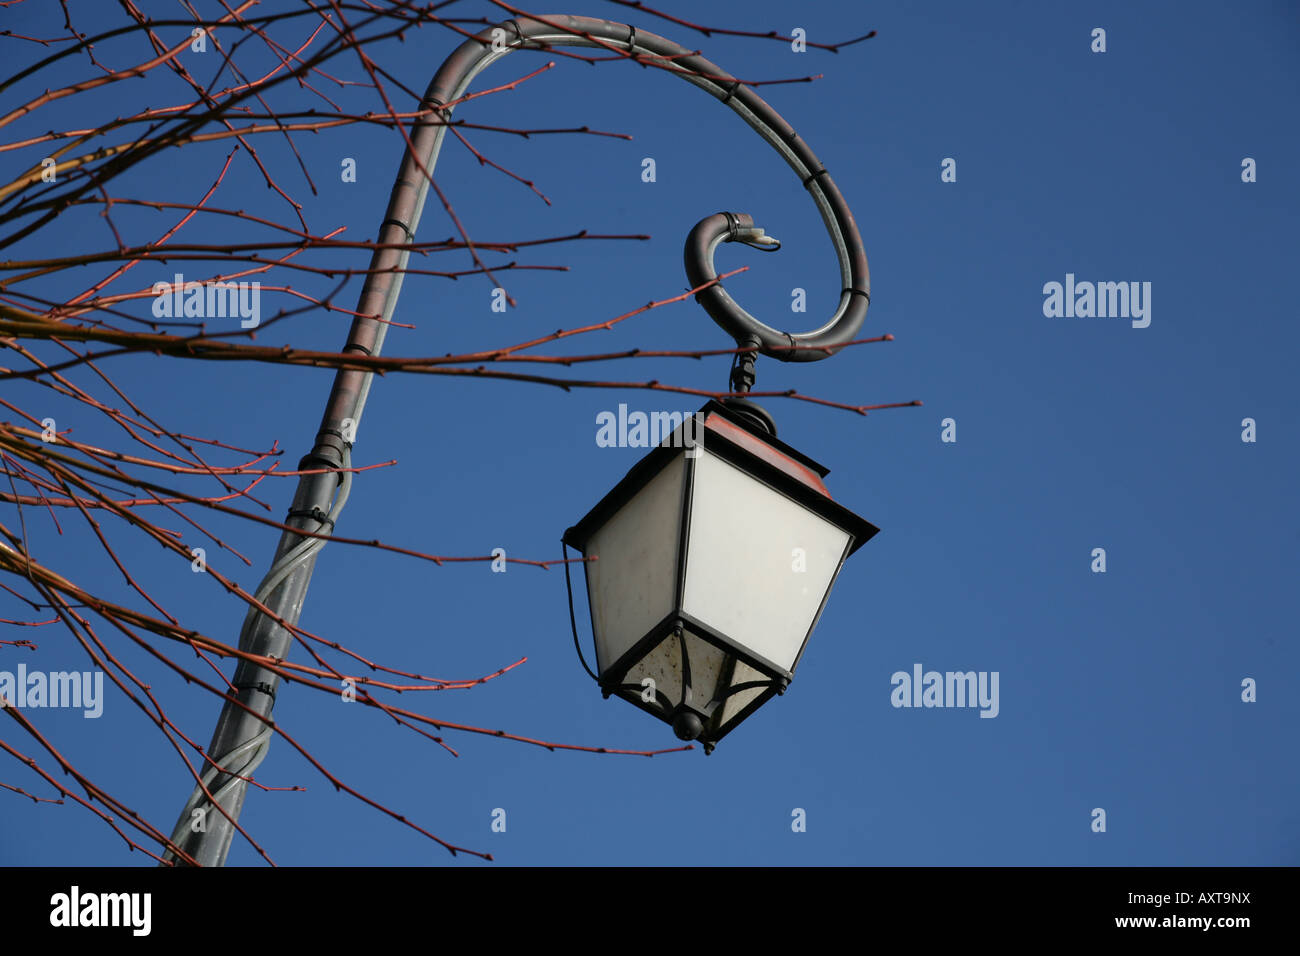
pixel 687 726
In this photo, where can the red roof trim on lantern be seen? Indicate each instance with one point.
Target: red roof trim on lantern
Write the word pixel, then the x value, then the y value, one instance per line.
pixel 765 452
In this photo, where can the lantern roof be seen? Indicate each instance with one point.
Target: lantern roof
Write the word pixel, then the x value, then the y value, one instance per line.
pixel 736 438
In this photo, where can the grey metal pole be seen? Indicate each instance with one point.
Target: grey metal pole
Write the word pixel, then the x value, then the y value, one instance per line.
pixel 203 832
pixel 241 739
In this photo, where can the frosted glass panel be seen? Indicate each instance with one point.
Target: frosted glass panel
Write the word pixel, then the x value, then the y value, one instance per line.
pixel 663 665
pixel 758 564
pixel 738 702
pixel 631 586
pixel 707 661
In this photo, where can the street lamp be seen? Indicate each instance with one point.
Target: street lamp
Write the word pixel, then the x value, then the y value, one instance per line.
pixel 708 567
pixel 242 736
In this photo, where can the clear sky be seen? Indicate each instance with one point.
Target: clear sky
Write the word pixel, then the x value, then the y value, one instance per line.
pixel 1119 690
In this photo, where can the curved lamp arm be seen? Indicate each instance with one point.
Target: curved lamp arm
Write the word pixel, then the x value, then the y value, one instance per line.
pixel 561 30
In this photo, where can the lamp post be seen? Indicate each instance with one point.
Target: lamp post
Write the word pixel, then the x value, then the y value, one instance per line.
pixel 242 735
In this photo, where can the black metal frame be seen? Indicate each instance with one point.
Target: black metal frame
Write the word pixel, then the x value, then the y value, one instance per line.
pixel 611 679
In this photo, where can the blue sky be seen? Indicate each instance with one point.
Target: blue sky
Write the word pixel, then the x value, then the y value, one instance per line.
pixel 1119 690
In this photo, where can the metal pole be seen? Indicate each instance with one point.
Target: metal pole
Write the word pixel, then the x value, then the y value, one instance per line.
pixel 207 834
pixel 241 739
